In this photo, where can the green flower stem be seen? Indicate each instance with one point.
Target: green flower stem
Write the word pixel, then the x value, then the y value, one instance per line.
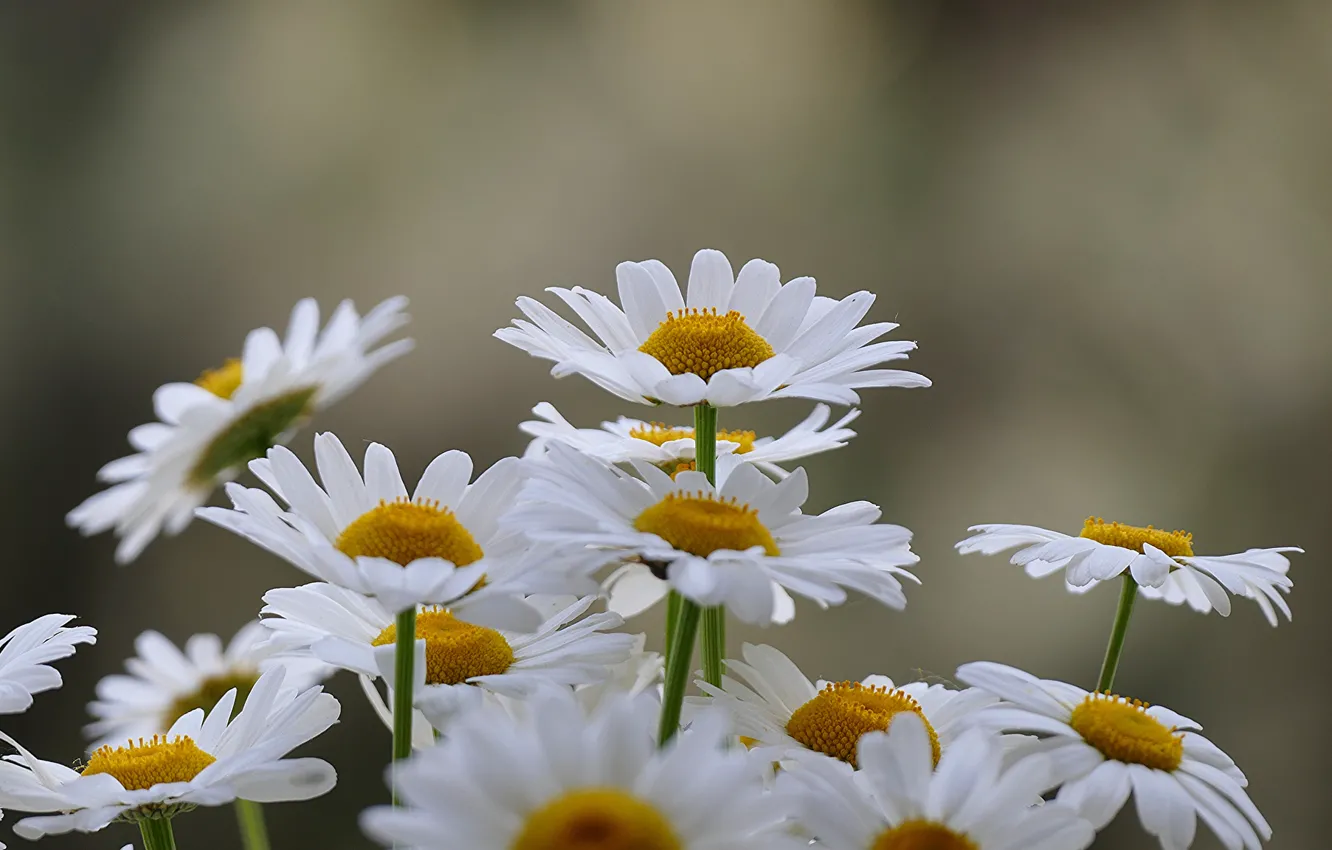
pixel 157 834
pixel 250 816
pixel 714 619
pixel 404 658
pixel 679 662
pixel 1115 648
pixel 673 601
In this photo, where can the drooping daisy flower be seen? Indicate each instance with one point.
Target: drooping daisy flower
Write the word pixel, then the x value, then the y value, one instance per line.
pixel 165 683
pixel 1107 747
pixel 554 778
pixel 728 341
pixel 210 429
pixel 461 660
pixel 1162 563
pixel 777 710
pixel 440 545
pixel 898 800
pixel 25 656
pixel 203 760
pixel 716 548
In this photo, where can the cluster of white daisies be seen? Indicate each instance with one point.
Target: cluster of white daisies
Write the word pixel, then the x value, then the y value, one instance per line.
pixel 482 613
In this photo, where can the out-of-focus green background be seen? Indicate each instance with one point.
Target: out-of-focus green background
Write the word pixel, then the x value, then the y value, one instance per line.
pixel 1106 223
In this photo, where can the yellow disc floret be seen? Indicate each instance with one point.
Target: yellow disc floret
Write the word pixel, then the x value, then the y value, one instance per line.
pixel 1176 544
pixel 922 835
pixel 658 434
pixel 224 380
pixel 208 693
pixel 704 343
pixel 403 531
pixel 455 651
pixel 155 762
pixel 833 721
pixel 701 524
pixel 1123 731
pixel 597 819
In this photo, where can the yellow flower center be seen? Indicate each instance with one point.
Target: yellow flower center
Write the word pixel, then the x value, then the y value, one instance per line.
pixel 156 762
pixel 224 380
pixel 702 524
pixel 252 434
pixel 209 692
pixel 658 434
pixel 455 651
pixel 922 835
pixel 1123 731
pixel 403 530
pixel 702 342
pixel 597 819
pixel 834 720
pixel 1176 544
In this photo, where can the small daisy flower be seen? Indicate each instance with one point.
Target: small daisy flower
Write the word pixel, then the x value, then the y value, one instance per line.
pixel 552 775
pixel 26 653
pixel 440 545
pixel 461 660
pixel 1106 747
pixel 727 341
pixel 165 683
pixel 203 760
pixel 210 429
pixel 898 800
pixel 640 673
pixel 672 449
pixel 727 547
pixel 1162 563
pixel 777 710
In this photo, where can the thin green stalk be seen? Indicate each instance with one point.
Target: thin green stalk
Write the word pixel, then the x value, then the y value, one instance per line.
pixel 404 659
pixel 250 816
pixel 1115 648
pixel 713 646
pixel 679 661
pixel 705 440
pixel 157 834
pixel 673 601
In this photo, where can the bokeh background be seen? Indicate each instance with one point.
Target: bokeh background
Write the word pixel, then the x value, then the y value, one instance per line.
pixel 1106 223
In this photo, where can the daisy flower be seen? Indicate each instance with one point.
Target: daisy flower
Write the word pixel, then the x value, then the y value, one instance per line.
pixel 727 341
pixel 640 673
pixel 898 800
pixel 165 683
pixel 716 547
pixel 460 660
pixel 1106 747
pixel 672 449
pixel 1162 563
pixel 26 653
pixel 541 779
pixel 440 545
pixel 208 430
pixel 203 760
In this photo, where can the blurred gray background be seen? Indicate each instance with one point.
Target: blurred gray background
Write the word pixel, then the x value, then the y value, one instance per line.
pixel 1106 224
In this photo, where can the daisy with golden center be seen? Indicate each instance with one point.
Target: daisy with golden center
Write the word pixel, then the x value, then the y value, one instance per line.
pixel 26 654
pixel 778 710
pixel 1162 563
pixel 729 340
pixel 462 659
pixel 729 547
pixel 208 430
pixel 204 759
pixel 556 778
pixel 899 801
pixel 440 544
pixel 163 683
pixel 1109 746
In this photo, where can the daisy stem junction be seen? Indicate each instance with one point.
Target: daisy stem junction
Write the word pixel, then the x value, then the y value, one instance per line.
pixel 404 657
pixel 157 834
pixel 679 661
pixel 250 816
pixel 714 618
pixel 1115 648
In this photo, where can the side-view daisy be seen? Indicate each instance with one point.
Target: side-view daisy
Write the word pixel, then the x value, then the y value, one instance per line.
pixel 163 683
pixel 1105 747
pixel 898 800
pixel 461 660
pixel 727 547
pixel 440 545
pixel 727 341
pixel 203 760
pixel 672 449
pixel 26 654
pixel 1161 562
pixel 542 779
pixel 208 430
pixel 777 710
